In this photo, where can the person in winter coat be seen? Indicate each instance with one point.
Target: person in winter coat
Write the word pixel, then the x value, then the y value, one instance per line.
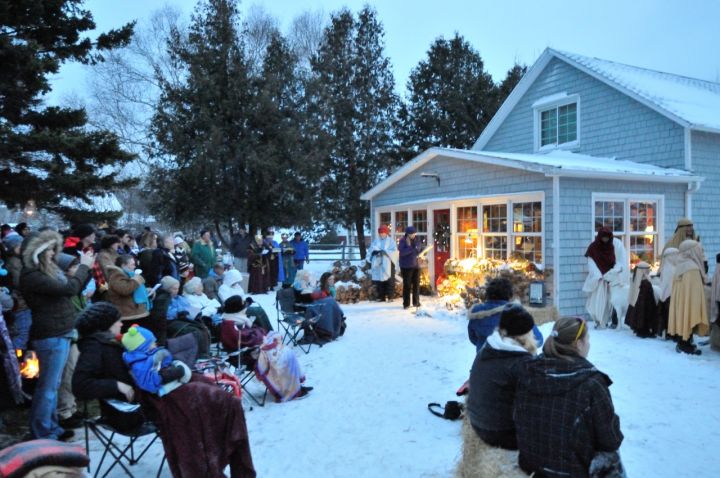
pixel 203 426
pixel 231 285
pixel 667 274
pixel 287 253
pixel 642 314
pixel 688 309
pixel 494 376
pixel 607 280
pixel 259 266
pixel 181 317
pixel 203 255
pixel 162 262
pixel 484 318
pixel 49 292
pixel 409 248
pixel 239 249
pixel 302 251
pixel 20 331
pixel 199 302
pixel 564 416
pixel 126 290
pixel 211 284
pixel 382 255
pixel 80 240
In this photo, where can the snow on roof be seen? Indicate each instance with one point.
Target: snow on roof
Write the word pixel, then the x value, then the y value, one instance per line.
pixel 97 203
pixel 697 102
pixel 554 163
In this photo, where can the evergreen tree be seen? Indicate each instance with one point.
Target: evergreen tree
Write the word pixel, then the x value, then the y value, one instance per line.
pixel 513 76
pixel 451 98
pixel 352 101
pixel 48 153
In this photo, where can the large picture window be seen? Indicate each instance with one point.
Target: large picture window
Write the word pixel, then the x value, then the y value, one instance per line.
pixel 467 232
pixel 527 231
pixel 494 231
pixel 401 222
pixel 522 240
pixel 634 222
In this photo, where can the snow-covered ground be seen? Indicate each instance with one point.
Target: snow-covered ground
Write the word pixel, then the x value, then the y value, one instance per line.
pixel 367 416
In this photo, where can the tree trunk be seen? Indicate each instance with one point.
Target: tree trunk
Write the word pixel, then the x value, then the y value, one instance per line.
pixel 224 242
pixel 360 229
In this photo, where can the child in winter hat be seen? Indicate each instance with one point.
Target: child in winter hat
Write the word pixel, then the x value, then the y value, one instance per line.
pixel 152 367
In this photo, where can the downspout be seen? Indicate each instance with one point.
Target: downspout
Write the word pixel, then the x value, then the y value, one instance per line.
pixel 556 241
pixel 692 187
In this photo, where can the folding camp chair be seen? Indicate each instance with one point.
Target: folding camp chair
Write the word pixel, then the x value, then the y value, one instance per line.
pixel 107 434
pixel 291 318
pixel 242 369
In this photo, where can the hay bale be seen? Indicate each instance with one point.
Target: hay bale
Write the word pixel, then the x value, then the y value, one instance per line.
pixel 544 314
pixel 480 460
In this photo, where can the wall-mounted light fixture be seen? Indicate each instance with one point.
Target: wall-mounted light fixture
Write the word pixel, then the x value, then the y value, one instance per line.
pixel 431 175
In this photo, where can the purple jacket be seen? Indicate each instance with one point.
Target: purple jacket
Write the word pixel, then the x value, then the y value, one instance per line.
pixel 409 254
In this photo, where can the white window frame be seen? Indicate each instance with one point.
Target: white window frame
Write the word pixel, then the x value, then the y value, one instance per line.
pixel 461 236
pixel 554 102
pixel 659 199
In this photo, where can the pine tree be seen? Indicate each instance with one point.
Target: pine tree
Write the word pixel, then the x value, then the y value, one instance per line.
pixel 451 98
pixel 353 102
pixel 48 153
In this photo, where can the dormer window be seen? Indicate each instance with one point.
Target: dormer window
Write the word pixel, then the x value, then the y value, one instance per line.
pixel 556 119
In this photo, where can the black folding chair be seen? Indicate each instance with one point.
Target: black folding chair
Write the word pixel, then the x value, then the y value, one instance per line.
pixel 242 368
pixel 107 434
pixel 292 319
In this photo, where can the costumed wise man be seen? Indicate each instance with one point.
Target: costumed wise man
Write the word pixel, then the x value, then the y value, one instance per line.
pixel 382 255
pixel 608 279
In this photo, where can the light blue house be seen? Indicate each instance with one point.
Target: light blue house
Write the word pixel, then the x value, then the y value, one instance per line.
pixel 579 143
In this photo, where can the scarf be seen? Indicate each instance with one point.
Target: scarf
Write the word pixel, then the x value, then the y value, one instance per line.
pixel 691 258
pixel 602 253
pixel 641 273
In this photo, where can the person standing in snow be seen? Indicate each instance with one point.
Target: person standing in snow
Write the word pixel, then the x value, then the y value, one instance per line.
pixel 410 248
pixel 287 252
pixel 564 415
pixel 683 231
pixel 302 251
pixel 382 257
pixel 494 376
pixel 688 310
pixel 607 280
pixel 642 314
pixel 203 254
pixel 667 274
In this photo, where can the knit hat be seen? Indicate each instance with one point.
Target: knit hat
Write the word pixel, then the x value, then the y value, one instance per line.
pixel 83 230
pixel 12 240
pixel 66 260
pixel 178 240
pixel 410 230
pixel 234 304
pixel 137 337
pixel 515 320
pixel 383 229
pixel 98 317
pixel 168 282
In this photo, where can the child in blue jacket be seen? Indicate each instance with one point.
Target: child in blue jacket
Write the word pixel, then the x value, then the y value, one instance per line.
pixel 152 367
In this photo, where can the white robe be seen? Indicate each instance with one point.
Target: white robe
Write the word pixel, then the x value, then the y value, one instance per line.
pixel 610 290
pixel 380 263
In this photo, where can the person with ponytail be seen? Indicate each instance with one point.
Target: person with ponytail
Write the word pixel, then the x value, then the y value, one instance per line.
pixel 564 416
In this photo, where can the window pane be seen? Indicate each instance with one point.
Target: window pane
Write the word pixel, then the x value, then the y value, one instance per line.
pixel 643 248
pixel 642 216
pixel 385 219
pixel 548 127
pixel 495 247
pixel 527 217
pixel 567 123
pixel 467 246
pixel 420 221
pixel 467 219
pixel 401 222
pixel 610 214
pixel 495 218
pixel 527 247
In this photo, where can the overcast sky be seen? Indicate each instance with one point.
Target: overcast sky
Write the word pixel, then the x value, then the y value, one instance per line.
pixel 677 36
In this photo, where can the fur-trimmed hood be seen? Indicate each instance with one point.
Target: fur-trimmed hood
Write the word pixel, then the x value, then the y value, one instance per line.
pixel 39 243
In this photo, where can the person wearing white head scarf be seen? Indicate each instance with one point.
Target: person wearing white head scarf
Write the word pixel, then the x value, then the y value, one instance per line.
pixel 642 303
pixel 688 309
pixel 667 274
pixel 232 285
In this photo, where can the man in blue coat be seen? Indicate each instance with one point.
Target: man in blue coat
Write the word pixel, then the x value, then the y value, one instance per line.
pixel 302 251
pixel 410 248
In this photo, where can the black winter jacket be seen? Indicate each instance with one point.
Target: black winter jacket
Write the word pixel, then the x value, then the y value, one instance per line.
pixel 99 368
pixel 50 300
pixel 564 415
pixel 493 380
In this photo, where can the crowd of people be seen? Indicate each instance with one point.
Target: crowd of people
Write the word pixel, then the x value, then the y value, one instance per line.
pixel 110 314
pixel 676 303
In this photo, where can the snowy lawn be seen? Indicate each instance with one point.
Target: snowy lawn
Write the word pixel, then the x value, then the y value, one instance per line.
pixel 367 416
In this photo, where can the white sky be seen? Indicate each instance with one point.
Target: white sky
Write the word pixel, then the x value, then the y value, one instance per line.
pixel 677 36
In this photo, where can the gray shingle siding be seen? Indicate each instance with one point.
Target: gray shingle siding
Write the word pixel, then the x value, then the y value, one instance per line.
pixel 611 123
pixel 706 162
pixel 576 228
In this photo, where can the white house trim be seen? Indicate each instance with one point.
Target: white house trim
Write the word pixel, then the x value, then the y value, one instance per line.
pixel 556 241
pixel 688 149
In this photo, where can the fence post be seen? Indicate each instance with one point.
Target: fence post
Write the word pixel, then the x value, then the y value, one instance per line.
pixel 343 251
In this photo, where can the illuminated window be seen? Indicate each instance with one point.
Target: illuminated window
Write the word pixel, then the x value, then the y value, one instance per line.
pixel 420 222
pixel 632 221
pixel 467 232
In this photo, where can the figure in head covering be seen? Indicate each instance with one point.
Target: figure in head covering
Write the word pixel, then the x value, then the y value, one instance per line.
pixel 642 304
pixel 667 273
pixel 684 230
